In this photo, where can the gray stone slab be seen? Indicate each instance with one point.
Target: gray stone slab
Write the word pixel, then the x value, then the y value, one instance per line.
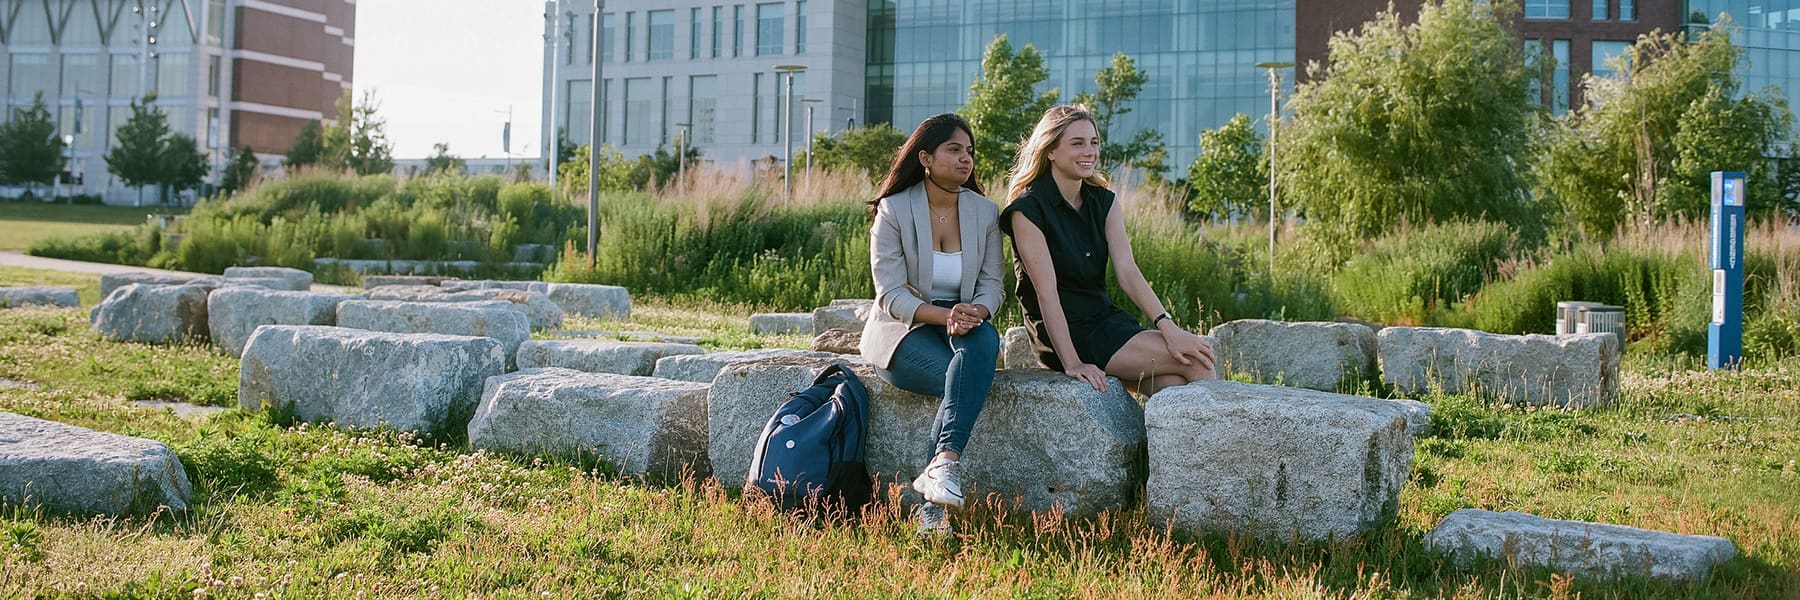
pixel 1593 550
pixel 781 323
pixel 153 314
pixel 702 368
pixel 112 281
pixel 233 313
pixel 1570 371
pixel 497 320
pixel 848 315
pixel 293 280
pixel 600 356
pixel 640 424
pixel 60 297
pixel 429 383
pixel 69 469
pixel 1314 355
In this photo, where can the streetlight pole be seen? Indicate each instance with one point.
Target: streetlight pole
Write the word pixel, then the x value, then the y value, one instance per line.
pixel 787 133
pixel 681 159
pixel 555 42
pixel 1274 119
pixel 594 111
pixel 810 104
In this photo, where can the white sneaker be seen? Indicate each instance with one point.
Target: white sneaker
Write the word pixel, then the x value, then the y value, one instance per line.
pixel 933 520
pixel 941 483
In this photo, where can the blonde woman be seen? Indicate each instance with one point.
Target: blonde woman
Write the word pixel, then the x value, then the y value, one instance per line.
pixel 1066 229
pixel 934 252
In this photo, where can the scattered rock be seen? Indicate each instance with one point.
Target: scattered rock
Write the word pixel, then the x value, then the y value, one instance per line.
pixel 1593 550
pixel 600 356
pixel 374 281
pixel 629 336
pixel 640 424
pixel 183 410
pixel 781 323
pixel 1314 355
pixel 69 469
pixel 61 297
pixel 294 280
pixel 589 300
pixel 838 341
pixel 113 281
pixel 702 368
pixel 153 314
pixel 1274 462
pixel 848 315
pixel 539 310
pixel 1016 351
pixel 497 320
pixel 1569 371
pixel 233 313
pixel 420 382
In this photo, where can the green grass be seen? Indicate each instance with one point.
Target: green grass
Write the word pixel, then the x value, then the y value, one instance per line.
pixel 306 511
pixel 22 223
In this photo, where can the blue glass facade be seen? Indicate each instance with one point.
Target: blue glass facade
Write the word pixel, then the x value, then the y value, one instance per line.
pixel 1769 33
pixel 1200 55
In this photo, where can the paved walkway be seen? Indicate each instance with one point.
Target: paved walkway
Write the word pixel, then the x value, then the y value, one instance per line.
pixel 11 258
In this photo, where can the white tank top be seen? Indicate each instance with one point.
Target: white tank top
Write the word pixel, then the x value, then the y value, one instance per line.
pixel 946 276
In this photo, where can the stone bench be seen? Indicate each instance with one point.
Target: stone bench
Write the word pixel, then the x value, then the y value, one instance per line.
pixel 1331 357
pixel 781 323
pixel 702 368
pixel 152 314
pixel 1569 371
pixel 428 383
pixel 497 320
pixel 293 280
pixel 600 356
pixel 1043 438
pixel 640 424
pixel 539 310
pixel 60 297
pixel 1274 462
pixel 69 469
pixel 233 313
pixel 848 315
pixel 1593 550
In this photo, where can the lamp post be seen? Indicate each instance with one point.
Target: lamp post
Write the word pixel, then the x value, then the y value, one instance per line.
pixel 787 133
pixel 555 40
pixel 1274 118
pixel 810 103
pixel 594 107
pixel 681 158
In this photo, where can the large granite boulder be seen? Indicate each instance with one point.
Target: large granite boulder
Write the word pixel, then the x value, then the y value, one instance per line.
pixel 69 469
pixel 640 424
pixel 1593 550
pixel 1570 371
pixel 608 302
pixel 600 356
pixel 61 297
pixel 702 368
pixel 1274 462
pixel 421 382
pixel 497 320
pixel 1321 356
pixel 153 314
pixel 233 313
pixel 542 313
pixel 848 315
pixel 838 341
pixel 293 280
pixel 113 281
pixel 1016 351
pixel 1043 439
pixel 781 323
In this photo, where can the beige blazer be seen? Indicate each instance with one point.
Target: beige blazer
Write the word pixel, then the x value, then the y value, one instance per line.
pixel 900 256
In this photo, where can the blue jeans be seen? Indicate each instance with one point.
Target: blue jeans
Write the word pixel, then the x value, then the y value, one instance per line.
pixel 960 369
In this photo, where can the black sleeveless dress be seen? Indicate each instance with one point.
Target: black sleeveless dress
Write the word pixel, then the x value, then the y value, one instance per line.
pixel 1078 251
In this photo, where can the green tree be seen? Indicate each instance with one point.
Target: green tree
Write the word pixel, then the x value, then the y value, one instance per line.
pixel 181 164
pixel 1004 103
pixel 1231 175
pixel 565 149
pixel 1645 147
pixel 1419 123
pixel 442 161
pixel 867 150
pixel 658 168
pixel 308 148
pixel 241 172
pixel 136 157
pixel 30 151
pixel 357 140
pixel 1119 83
pixel 614 173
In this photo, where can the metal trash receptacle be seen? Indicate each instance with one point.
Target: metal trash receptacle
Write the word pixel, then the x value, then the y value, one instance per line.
pixel 1602 319
pixel 1567 315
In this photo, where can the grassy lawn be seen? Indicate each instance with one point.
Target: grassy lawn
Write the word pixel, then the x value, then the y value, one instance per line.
pixel 310 511
pixel 22 223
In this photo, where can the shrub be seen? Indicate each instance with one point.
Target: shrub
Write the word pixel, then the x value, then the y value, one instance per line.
pixel 1405 278
pixel 133 247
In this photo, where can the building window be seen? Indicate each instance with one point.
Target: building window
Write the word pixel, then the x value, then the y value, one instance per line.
pixel 215 22
pixel 1559 101
pixel 79 72
pixel 1534 64
pixel 606 39
pixel 756 92
pixel 737 31
pixel 30 74
pixel 212 75
pixel 125 80
pixel 703 103
pixel 768 29
pixel 800 27
pixel 663 113
pixel 718 25
pixel 660 43
pixel 1546 9
pixel 694 33
pixel 1604 52
pixel 1601 8
pixel 580 109
pixel 640 117
pixel 1627 10
pixel 173 79
pixel 628 38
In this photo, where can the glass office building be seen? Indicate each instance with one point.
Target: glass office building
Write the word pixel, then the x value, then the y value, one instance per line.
pixel 1200 56
pixel 1769 33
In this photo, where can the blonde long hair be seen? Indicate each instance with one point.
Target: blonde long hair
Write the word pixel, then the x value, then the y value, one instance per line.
pixel 1031 162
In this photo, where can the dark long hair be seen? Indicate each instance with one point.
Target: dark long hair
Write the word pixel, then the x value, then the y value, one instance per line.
pixel 906 170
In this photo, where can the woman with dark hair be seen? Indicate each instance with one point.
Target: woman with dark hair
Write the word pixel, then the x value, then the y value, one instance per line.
pixel 1066 230
pixel 934 252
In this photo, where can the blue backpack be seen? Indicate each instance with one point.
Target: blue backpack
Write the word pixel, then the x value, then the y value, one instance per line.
pixel 812 449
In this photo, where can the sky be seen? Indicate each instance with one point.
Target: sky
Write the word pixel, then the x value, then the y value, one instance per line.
pixel 446 70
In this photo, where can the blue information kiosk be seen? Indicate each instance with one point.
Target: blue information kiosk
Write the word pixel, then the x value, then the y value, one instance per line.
pixel 1725 334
